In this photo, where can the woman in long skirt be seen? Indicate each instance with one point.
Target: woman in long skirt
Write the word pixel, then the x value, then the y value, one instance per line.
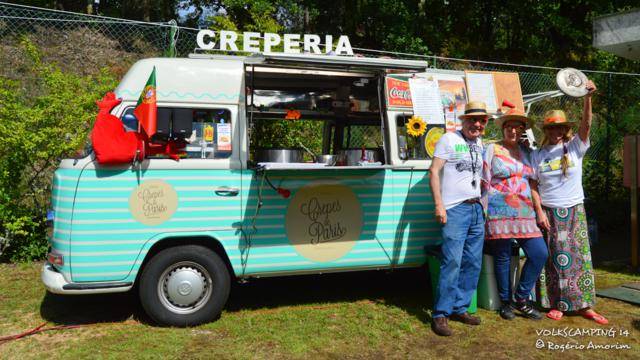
pixel 567 282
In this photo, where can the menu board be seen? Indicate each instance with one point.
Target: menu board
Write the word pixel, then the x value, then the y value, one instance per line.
pixel 508 88
pixel 224 136
pixel 425 97
pixel 494 87
pixel 481 87
pixel 441 97
pixel 453 95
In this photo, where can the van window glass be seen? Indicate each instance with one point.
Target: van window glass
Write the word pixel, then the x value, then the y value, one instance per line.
pixel 410 147
pixel 207 132
pixel 210 136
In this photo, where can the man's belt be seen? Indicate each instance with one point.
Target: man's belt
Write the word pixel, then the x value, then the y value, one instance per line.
pixel 472 201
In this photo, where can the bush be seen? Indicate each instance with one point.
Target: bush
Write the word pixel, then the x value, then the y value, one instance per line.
pixel 43 118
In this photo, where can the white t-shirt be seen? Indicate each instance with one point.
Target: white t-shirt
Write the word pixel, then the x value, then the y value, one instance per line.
pixel 460 169
pixel 556 190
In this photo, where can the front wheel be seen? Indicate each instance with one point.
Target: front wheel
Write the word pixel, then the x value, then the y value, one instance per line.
pixel 184 286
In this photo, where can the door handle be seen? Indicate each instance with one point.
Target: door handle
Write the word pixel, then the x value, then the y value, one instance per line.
pixel 226 191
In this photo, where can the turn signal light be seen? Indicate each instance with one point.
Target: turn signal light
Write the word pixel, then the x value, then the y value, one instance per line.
pixel 55 259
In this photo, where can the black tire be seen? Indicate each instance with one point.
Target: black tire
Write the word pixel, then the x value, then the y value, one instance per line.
pixel 196 270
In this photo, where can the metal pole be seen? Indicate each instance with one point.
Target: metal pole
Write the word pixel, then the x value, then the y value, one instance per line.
pixel 634 202
pixel 607 141
pixel 173 30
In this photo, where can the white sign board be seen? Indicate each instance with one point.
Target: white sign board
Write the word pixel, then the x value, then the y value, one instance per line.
pixel 292 43
pixel 425 97
pixel 481 87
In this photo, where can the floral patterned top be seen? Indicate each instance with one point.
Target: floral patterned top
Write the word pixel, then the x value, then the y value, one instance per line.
pixel 510 212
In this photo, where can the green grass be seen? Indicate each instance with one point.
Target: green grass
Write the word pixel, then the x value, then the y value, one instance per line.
pixel 352 315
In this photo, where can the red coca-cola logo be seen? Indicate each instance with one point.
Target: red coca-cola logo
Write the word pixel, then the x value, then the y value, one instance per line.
pixel 398 93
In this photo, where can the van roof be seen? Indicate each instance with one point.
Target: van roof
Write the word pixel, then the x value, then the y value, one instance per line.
pixel 219 78
pixel 324 61
pixel 183 80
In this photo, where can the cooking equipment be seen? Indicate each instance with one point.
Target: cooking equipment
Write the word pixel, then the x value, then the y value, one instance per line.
pixel 320 159
pixel 572 82
pixel 279 155
pixel 351 157
pixel 327 159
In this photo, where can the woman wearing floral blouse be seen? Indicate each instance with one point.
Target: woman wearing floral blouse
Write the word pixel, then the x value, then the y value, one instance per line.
pixel 511 215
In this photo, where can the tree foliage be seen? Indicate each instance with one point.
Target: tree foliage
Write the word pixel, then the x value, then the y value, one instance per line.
pixel 43 119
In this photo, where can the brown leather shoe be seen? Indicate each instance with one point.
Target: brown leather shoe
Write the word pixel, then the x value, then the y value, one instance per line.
pixel 440 326
pixel 466 319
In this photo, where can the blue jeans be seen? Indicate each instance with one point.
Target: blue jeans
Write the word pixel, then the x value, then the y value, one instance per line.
pixel 462 239
pixel 536 251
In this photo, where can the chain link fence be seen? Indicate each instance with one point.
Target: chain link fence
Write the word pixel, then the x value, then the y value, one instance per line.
pixel 84 43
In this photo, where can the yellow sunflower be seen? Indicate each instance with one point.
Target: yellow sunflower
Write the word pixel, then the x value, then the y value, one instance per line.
pixel 416 126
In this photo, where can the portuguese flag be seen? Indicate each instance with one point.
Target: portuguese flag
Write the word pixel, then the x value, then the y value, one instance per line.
pixel 146 109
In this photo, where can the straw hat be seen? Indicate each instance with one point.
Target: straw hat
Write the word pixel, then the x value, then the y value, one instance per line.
pixel 514 114
pixel 555 118
pixel 474 109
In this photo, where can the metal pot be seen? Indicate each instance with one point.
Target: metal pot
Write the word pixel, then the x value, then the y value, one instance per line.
pixel 320 159
pixel 351 157
pixel 283 155
pixel 326 159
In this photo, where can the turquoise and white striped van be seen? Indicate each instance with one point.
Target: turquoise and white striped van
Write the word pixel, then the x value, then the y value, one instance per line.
pixel 181 231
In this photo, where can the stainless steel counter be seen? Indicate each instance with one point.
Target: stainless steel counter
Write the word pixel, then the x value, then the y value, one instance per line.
pixel 316 166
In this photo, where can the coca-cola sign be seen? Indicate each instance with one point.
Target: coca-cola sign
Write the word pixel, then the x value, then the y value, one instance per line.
pixel 398 94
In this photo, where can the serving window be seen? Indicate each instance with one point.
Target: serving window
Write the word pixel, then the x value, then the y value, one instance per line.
pixel 206 133
pixel 320 111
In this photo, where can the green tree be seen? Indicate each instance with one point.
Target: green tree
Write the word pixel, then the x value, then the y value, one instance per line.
pixel 42 121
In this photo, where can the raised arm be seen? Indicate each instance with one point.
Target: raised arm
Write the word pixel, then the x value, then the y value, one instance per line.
pixel 587 114
pixel 434 181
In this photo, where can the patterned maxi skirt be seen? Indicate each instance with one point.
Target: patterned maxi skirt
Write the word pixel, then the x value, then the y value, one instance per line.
pixel 567 281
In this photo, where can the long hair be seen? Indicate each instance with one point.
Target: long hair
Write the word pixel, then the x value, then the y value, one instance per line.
pixel 564 161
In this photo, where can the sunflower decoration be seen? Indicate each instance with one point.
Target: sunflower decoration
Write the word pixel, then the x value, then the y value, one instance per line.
pixel 416 126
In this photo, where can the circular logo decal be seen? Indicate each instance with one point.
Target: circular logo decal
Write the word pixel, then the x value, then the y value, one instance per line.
pixel 430 141
pixel 324 221
pixel 153 202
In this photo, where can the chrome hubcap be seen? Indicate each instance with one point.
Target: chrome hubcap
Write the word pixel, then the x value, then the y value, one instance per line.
pixel 185 287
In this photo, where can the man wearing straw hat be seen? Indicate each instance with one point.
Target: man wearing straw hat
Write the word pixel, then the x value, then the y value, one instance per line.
pixel 455 185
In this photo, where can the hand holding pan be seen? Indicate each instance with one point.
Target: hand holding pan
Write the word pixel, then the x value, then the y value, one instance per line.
pixel 573 82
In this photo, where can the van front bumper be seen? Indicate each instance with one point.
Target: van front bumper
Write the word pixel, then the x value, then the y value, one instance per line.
pixel 56 283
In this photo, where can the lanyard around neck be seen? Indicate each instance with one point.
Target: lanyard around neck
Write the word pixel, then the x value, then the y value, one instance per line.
pixel 473 160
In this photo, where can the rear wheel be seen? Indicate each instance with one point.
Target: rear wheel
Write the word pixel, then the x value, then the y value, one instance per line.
pixel 184 286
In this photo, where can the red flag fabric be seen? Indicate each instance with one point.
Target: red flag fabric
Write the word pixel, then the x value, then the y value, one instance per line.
pixel 112 144
pixel 147 109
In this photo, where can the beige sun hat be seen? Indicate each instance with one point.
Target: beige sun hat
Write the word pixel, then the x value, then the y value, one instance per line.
pixel 556 118
pixel 474 109
pixel 514 114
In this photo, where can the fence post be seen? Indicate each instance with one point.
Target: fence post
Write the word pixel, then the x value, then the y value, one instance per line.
pixel 607 140
pixel 634 202
pixel 173 37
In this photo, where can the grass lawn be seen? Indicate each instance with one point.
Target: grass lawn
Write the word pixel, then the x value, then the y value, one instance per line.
pixel 352 315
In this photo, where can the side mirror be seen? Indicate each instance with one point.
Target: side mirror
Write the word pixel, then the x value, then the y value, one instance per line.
pixel 130 122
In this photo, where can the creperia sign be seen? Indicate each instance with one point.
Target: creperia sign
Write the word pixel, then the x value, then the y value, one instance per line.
pixel 292 43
